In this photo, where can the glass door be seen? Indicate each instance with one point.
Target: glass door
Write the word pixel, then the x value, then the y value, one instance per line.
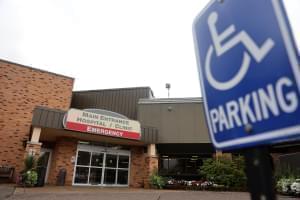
pixel 110 169
pixel 82 169
pixel 43 165
pixel 95 177
pixel 101 168
pixel 122 170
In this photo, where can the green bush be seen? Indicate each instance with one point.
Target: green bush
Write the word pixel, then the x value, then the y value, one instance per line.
pixel 157 181
pixel 31 178
pixel 29 163
pixel 229 173
pixel 29 174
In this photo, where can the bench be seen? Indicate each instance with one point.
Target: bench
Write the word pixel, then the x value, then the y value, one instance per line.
pixel 6 172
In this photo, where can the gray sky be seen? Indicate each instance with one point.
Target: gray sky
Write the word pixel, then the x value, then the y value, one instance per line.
pixel 110 43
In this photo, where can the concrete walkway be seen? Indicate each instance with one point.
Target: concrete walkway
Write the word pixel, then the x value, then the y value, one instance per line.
pixel 93 193
pixel 6 190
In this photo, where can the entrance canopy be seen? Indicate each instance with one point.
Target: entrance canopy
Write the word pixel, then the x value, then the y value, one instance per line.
pixel 51 135
pixel 51 123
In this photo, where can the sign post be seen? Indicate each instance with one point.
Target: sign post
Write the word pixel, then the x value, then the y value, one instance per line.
pixel 259 170
pixel 250 79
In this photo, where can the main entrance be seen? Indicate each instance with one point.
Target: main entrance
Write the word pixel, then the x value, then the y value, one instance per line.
pixel 101 166
pixel 43 166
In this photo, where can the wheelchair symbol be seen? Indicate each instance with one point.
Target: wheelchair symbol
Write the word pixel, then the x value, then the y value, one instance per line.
pixel 258 53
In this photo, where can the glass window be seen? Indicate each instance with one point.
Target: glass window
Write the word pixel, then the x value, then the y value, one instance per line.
pixel 164 165
pixel 97 159
pixel 180 165
pixel 123 162
pixel 81 175
pixel 111 160
pixel 109 176
pixel 83 158
pixel 95 176
pixel 176 166
pixel 122 177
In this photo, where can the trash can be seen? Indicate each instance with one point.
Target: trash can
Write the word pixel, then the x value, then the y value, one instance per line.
pixel 61 177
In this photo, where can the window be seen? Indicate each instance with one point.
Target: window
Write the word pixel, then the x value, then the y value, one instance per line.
pixel 180 165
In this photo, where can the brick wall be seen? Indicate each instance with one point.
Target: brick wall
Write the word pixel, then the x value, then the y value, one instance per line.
pixel 64 150
pixel 137 167
pixel 151 164
pixel 141 168
pixel 21 90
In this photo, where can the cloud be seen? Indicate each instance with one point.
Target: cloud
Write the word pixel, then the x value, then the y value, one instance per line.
pixel 109 44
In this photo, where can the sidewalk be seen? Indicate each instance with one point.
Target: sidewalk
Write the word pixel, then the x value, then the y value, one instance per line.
pixel 82 189
pixel 104 193
pixel 6 190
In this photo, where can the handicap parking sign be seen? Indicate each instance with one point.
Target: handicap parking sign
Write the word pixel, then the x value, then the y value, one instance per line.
pixel 249 73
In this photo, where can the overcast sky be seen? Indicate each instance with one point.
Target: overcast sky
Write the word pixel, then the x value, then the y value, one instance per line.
pixel 110 43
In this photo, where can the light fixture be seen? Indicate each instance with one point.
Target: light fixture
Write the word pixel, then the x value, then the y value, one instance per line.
pixel 168 86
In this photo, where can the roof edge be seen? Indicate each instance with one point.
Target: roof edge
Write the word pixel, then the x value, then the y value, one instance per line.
pixel 50 109
pixel 35 69
pixel 128 88
pixel 171 100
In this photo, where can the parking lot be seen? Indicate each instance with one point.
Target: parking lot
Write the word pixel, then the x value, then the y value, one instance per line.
pixel 91 193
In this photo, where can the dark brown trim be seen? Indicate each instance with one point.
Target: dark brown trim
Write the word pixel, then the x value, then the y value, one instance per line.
pixel 48 118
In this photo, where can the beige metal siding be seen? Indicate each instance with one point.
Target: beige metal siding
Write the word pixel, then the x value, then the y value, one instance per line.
pixel 176 122
pixel 123 101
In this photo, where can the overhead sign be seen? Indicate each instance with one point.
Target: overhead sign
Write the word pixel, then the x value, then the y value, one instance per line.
pixel 249 73
pixel 89 122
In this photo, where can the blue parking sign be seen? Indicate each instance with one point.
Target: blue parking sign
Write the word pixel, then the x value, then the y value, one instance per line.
pixel 249 73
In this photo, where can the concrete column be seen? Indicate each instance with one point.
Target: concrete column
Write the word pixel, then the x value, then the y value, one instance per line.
pixel 36 134
pixel 151 162
pixel 33 148
pixel 220 154
pixel 151 150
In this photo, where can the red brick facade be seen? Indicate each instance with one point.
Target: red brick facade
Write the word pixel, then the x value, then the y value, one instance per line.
pixel 21 90
pixel 137 167
pixel 151 164
pixel 141 168
pixel 63 152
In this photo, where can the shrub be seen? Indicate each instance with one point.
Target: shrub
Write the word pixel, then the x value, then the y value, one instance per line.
pixel 29 163
pixel 29 174
pixel 31 178
pixel 229 173
pixel 157 181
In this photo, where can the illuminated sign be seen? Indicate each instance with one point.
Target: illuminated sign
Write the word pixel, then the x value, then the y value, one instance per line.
pixel 89 122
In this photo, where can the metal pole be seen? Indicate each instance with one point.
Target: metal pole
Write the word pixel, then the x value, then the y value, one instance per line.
pixel 259 170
